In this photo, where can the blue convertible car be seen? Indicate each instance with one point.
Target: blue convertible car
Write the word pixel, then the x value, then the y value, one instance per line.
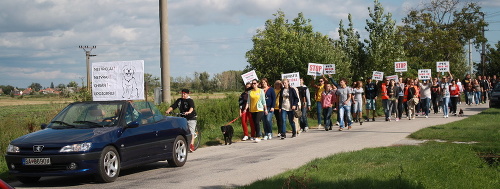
pixel 99 138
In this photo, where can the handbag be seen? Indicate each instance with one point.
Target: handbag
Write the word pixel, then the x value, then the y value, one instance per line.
pixel 415 100
pixel 297 113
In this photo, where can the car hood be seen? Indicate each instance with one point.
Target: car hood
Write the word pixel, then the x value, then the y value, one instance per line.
pixel 49 135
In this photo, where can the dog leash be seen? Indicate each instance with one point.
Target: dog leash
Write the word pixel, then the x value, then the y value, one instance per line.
pixel 233 120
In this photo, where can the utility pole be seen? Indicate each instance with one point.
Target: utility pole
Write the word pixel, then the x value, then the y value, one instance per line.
pixel 483 51
pixel 471 64
pixel 88 55
pixel 164 54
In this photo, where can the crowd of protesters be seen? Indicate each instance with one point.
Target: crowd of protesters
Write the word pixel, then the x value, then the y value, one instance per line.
pixel 400 98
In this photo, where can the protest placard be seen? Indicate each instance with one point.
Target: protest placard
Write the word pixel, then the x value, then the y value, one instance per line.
pixel 293 78
pixel 315 69
pixel 443 66
pixel 378 76
pixel 118 80
pixel 400 66
pixel 424 74
pixel 393 77
pixel 329 69
pixel 249 76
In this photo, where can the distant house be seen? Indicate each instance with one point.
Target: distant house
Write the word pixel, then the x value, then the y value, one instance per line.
pixel 16 92
pixel 1 91
pixel 47 91
pixel 27 91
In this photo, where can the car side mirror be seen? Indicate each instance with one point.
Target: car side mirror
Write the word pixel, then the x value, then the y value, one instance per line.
pixel 133 124
pixel 43 126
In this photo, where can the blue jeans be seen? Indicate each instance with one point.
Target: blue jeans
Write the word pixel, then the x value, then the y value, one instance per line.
pixel 303 118
pixel 284 115
pixel 318 111
pixel 477 98
pixel 345 110
pixel 268 122
pixel 327 115
pixel 385 105
pixel 425 105
pixel 446 101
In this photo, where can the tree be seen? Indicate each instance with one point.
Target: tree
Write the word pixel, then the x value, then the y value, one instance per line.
pixel 7 89
pixel 493 60
pixel 384 46
pixel 51 85
pixel 35 86
pixel 439 32
pixel 61 86
pixel 206 85
pixel 354 49
pixel 283 47
pixel 72 84
pixel 151 82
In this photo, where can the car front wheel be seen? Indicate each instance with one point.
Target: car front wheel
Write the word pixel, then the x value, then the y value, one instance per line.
pixel 179 152
pixel 109 165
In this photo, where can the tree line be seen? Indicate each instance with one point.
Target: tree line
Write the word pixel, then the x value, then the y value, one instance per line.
pixel 438 31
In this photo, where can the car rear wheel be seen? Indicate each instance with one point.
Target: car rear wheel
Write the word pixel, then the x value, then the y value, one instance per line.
pixel 28 180
pixel 109 165
pixel 179 152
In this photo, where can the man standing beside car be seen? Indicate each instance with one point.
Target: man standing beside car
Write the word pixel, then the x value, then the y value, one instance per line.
pixel 186 107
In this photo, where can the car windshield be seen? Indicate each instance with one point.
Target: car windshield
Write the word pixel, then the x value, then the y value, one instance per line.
pixel 497 87
pixel 88 115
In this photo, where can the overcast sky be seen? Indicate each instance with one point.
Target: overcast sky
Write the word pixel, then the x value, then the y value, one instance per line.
pixel 39 39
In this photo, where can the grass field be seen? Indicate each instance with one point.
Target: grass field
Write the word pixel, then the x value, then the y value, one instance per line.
pixel 443 164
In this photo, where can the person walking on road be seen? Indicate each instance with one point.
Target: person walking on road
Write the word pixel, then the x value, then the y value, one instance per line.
pixel 454 95
pixel 317 97
pixel 257 106
pixel 411 98
pixel 371 92
pixel 425 97
pixel 270 102
pixel 344 96
pixel 245 114
pixel 358 101
pixel 327 102
pixel 288 101
pixel 305 99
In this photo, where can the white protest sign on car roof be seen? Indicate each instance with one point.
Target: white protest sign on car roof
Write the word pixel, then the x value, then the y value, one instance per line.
pixel 118 80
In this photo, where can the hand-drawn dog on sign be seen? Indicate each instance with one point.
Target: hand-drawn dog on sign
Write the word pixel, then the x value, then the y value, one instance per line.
pixel 129 82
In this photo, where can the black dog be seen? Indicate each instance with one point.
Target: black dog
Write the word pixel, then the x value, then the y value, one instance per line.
pixel 461 113
pixel 227 131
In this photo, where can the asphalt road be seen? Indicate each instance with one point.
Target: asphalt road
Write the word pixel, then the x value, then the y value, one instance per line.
pixel 245 162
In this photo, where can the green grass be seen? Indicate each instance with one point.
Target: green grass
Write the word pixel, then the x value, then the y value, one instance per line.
pixel 429 165
pixel 482 128
pixel 434 165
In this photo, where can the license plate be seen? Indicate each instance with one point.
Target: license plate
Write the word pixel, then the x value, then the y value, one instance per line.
pixel 36 161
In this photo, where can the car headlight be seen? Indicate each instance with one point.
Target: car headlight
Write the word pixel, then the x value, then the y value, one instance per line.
pixel 12 149
pixel 77 147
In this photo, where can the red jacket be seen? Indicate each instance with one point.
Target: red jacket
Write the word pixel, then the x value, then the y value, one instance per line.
pixel 384 92
pixel 454 90
pixel 416 95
